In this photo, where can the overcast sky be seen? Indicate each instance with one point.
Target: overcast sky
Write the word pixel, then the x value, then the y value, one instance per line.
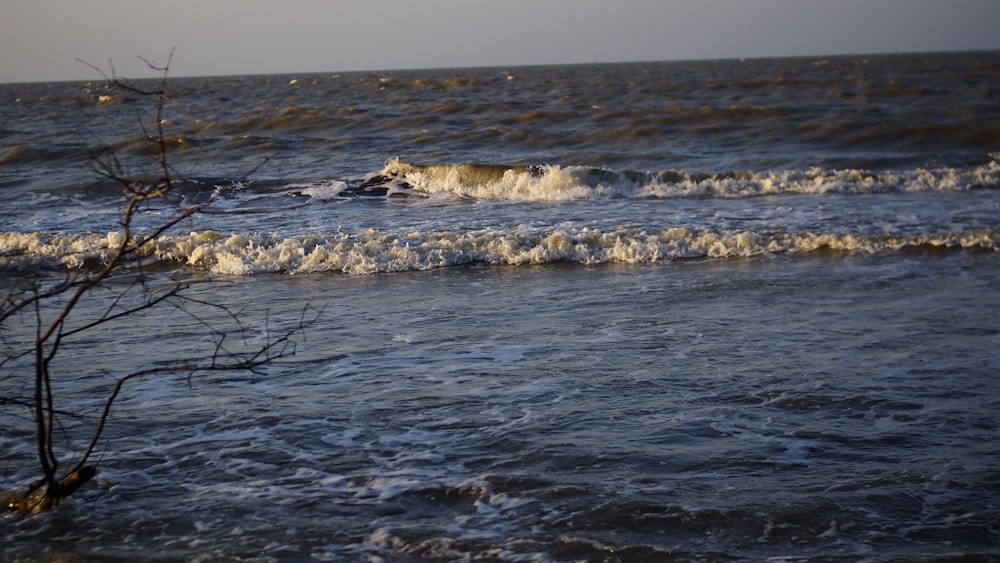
pixel 40 39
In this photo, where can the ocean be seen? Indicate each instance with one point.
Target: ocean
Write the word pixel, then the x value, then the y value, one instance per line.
pixel 735 310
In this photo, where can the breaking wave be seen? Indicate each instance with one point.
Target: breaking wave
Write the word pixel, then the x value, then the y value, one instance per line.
pixel 373 251
pixel 554 183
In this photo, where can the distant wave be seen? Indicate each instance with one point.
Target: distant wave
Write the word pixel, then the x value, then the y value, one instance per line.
pixel 553 183
pixel 25 154
pixel 373 251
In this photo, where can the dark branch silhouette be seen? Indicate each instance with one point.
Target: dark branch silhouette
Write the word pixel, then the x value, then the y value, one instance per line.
pixel 52 327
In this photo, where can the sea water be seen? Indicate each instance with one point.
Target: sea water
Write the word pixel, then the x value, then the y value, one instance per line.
pixel 715 310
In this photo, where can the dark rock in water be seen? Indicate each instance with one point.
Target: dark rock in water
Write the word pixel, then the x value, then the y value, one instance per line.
pixel 377 186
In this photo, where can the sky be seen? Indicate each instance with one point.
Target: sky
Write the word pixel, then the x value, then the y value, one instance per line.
pixel 41 40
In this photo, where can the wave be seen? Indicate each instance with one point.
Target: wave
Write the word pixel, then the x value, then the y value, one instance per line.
pixel 24 154
pixel 554 183
pixel 373 251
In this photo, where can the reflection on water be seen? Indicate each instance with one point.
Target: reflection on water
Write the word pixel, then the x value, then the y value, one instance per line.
pixel 699 409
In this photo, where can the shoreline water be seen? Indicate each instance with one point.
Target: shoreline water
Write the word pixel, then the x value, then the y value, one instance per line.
pixel 822 406
pixel 727 311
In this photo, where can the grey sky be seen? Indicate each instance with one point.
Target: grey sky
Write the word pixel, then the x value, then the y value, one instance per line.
pixel 40 39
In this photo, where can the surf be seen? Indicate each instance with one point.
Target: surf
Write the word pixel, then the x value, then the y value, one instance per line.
pixel 563 183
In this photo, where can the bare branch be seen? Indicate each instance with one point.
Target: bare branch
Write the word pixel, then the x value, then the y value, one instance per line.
pixel 56 326
pixel 170 292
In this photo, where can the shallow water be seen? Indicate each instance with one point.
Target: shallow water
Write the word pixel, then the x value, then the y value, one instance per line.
pixel 690 410
pixel 724 310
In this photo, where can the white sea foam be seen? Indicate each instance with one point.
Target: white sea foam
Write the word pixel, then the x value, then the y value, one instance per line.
pixel 551 183
pixel 373 251
pixel 493 183
pixel 319 190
